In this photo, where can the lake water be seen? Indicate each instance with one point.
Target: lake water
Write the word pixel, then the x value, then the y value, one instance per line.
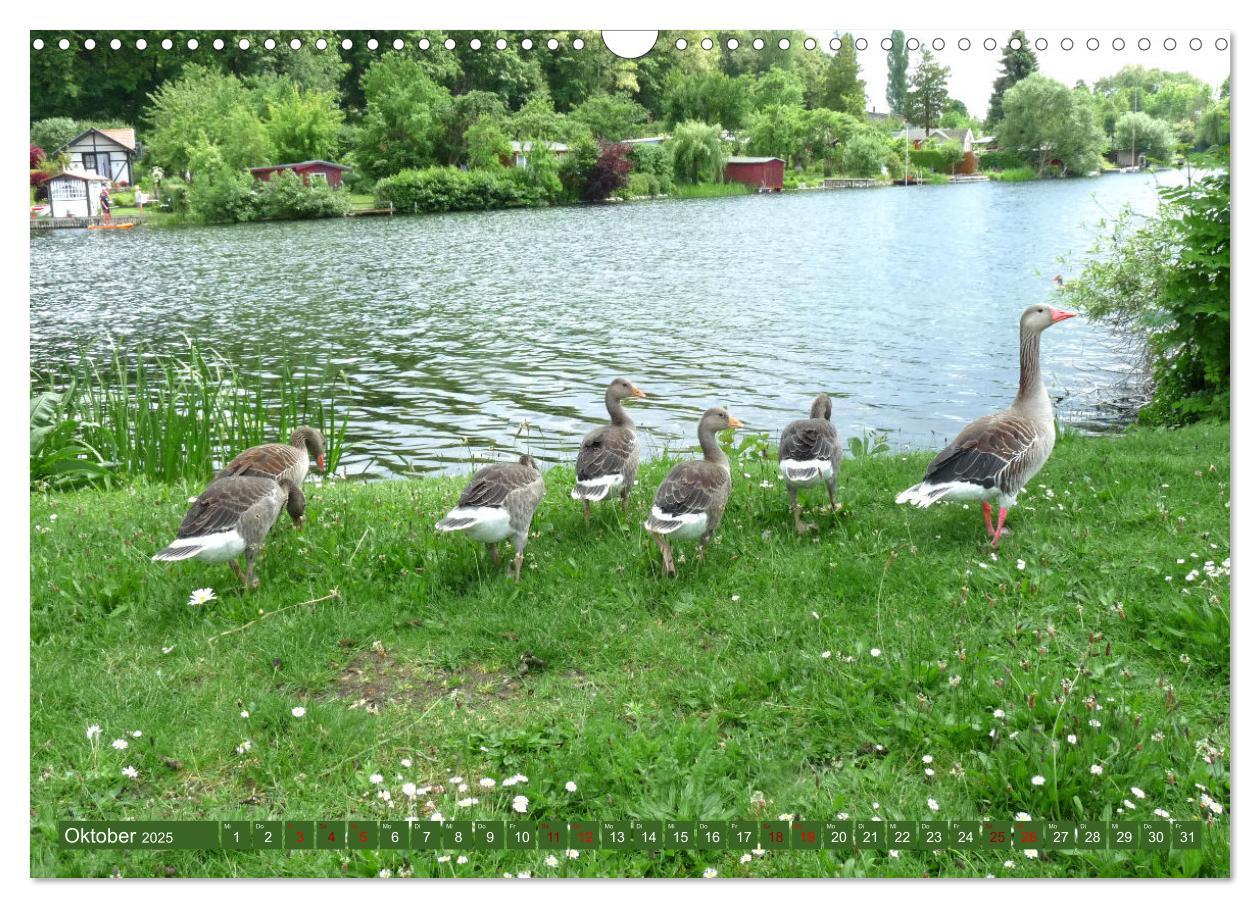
pixel 902 303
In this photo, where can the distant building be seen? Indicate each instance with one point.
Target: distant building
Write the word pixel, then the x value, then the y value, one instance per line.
pixel 110 153
pixel 650 140
pixel 521 150
pixel 764 174
pixel 75 193
pixel 918 136
pixel 309 171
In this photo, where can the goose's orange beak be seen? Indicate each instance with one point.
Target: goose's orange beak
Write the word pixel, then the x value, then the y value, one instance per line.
pixel 319 462
pixel 734 424
pixel 1058 315
pixel 637 391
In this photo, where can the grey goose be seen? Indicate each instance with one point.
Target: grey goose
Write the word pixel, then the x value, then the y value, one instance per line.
pixel 809 455
pixel 498 503
pixel 609 457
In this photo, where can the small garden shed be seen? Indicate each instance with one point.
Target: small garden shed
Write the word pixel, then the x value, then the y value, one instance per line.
pixel 75 194
pixel 108 152
pixel 763 174
pixel 309 171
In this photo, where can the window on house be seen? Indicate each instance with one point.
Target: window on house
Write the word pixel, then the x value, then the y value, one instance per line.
pixel 316 177
pixel 69 190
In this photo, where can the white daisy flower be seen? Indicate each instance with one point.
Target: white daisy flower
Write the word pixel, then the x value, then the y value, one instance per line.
pixel 130 772
pixel 709 873
pixel 118 744
pixel 467 802
pixel 553 861
pixel 572 853
pixel 405 762
pixel 875 652
pixel 570 786
pixel 298 711
pixel 462 859
pixel 201 596
pixel 927 758
pixel 385 873
pixel 1095 770
pixel 933 806
pixel 520 804
pixel 745 858
pixel 93 731
pixel 376 778
pixel 1138 793
pixel 486 783
pixel 1039 780
pixel 436 817
pixel 409 789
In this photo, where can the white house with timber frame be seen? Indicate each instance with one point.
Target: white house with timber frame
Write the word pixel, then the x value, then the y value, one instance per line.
pixel 108 152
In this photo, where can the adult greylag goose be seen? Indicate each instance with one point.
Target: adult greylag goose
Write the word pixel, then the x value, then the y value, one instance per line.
pixel 232 518
pixel 809 454
pixel 609 456
pixel 498 503
pixel 280 461
pixel 690 502
pixel 994 457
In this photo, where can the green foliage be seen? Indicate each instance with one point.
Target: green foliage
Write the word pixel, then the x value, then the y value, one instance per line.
pixel 219 194
pixel 870 443
pixel 205 107
pixel 486 144
pixel 779 88
pixel 172 417
pixel 1144 134
pixel 1021 174
pixel 1000 160
pixel 1213 128
pixel 865 154
pixel 285 197
pixel 437 189
pixel 403 120
pixel 697 152
pixel 465 113
pixel 1045 121
pixel 1017 63
pixel 844 89
pixel 612 117
pixel 928 94
pixel 59 457
pixel 53 132
pixel 779 132
pixel 1167 282
pixel 711 97
pixel 711 190
pixel 301 126
pixel 898 66
pixel 938 157
pixel 655 163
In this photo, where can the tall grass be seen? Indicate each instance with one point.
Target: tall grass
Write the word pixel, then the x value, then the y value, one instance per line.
pixel 182 415
pixel 1014 175
pixel 710 190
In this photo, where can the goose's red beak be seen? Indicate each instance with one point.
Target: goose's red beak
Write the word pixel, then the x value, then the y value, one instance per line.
pixel 319 462
pixel 1058 315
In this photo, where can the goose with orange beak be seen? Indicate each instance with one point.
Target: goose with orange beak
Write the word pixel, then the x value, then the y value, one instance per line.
pixel 994 457
pixel 609 457
pixel 690 502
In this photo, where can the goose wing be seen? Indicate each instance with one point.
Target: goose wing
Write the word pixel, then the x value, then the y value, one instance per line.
pixel 992 451
pixel 224 502
pixel 605 451
pixel 490 486
pixel 808 439
pixel 692 488
pixel 273 460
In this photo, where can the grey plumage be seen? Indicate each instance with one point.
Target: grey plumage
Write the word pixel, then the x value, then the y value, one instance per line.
pixel 231 519
pixel 281 462
pixel 809 454
pixel 609 457
pixel 499 503
pixel 995 456
pixel 690 503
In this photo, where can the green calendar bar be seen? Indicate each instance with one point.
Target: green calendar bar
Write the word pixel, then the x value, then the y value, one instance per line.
pixel 155 835
pixel 636 835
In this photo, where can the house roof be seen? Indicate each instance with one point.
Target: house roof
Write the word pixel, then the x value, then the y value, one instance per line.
pixel 297 165
pixel 650 140
pixel 90 176
pixel 124 136
pixel 529 146
pixel 741 159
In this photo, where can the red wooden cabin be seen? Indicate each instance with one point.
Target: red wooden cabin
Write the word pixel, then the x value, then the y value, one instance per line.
pixel 765 174
pixel 307 170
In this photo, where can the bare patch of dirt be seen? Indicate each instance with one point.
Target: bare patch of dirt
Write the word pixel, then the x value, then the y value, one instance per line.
pixel 375 678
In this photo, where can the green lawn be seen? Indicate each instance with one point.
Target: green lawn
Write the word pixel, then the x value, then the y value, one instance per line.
pixel 784 675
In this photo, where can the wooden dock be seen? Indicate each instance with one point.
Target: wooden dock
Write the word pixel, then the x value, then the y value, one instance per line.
pixel 848 183
pixel 970 178
pixel 371 212
pixel 39 225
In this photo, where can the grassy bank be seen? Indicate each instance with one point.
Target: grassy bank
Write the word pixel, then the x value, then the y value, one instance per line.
pixel 815 674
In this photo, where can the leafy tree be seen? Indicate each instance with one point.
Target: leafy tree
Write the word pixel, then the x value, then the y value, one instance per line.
pixel 537 119
pixel 778 87
pixel 864 153
pixel 778 131
pixel 1017 63
pixel 824 134
pixel 465 111
pixel 654 161
pixel 1143 134
pixel 697 151
pixel 219 193
pixel 928 92
pixel 1213 128
pixel 710 98
pixel 612 117
pixel 844 90
pixel 898 67
pixel 302 126
pixel 204 106
pixel 403 123
pixel 486 144
pixel 53 132
pixel 1044 121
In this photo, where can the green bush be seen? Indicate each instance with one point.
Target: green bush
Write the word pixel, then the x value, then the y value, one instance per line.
pixel 1165 281
pixel 437 189
pixel 654 161
pixel 223 197
pixel 174 195
pixel 864 154
pixel 641 184
pixel 287 198
pixel 1015 174
pixel 938 158
pixel 1001 160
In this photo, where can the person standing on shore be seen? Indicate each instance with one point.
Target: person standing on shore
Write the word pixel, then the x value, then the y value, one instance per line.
pixel 106 215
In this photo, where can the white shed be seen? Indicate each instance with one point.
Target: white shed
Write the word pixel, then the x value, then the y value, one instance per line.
pixel 109 152
pixel 75 194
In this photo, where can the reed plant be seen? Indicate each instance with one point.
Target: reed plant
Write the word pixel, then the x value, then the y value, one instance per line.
pixel 182 415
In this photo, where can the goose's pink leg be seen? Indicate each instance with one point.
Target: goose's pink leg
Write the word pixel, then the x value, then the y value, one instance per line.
pixel 988 518
pixel 997 536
